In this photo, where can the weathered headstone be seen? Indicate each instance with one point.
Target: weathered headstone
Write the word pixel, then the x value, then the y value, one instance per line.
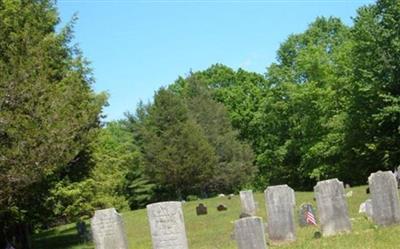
pixel 366 207
pixel 108 230
pixel 201 209
pixel 167 225
pixel 222 207
pixel 307 215
pixel 247 202
pixel 385 199
pixel 249 233
pixel 280 202
pixel 332 207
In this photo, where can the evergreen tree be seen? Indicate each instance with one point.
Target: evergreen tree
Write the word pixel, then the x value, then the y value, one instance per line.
pixel 235 159
pixel 48 111
pixel 177 155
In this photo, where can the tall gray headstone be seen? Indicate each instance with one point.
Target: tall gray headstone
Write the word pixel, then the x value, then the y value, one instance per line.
pixel 167 225
pixel 280 202
pixel 332 207
pixel 249 233
pixel 108 230
pixel 247 202
pixel 385 198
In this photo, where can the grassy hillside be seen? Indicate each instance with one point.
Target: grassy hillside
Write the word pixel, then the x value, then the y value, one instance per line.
pixel 213 231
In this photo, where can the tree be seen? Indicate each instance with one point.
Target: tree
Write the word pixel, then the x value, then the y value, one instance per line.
pixel 235 158
pixel 177 156
pixel 48 111
pixel 373 138
pixel 305 111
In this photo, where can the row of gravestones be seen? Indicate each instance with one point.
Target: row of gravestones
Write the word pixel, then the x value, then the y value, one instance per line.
pixel 168 228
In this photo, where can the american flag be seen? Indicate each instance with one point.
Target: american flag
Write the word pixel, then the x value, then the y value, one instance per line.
pixel 310 219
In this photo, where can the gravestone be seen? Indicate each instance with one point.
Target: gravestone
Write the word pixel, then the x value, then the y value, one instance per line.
pixel 366 207
pixel 167 225
pixel 222 207
pixel 385 199
pixel 201 209
pixel 332 207
pixel 280 202
pixel 247 202
pixel 305 218
pixel 249 233
pixel 108 230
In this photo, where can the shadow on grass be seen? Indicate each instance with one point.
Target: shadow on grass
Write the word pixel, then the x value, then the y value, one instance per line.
pixel 67 238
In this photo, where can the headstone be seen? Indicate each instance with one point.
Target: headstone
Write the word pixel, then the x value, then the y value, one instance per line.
pixel 249 233
pixel 108 230
pixel 307 215
pixel 366 207
pixel 244 215
pixel 167 225
pixel 221 195
pixel 349 194
pixel 201 209
pixel 222 207
pixel 82 231
pixel 347 185
pixel 280 202
pixel 247 202
pixel 385 198
pixel 332 207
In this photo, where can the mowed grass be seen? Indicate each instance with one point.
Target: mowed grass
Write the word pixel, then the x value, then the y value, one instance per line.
pixel 213 231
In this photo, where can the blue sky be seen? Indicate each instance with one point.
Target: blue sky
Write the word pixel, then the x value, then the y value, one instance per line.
pixel 137 46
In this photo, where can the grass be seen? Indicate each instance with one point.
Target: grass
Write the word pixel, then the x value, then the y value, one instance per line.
pixel 213 231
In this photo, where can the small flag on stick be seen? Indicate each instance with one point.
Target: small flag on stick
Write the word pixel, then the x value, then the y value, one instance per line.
pixel 309 216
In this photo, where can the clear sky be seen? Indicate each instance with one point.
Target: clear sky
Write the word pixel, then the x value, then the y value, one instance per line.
pixel 137 46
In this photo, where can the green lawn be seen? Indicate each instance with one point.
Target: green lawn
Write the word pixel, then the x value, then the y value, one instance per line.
pixel 213 231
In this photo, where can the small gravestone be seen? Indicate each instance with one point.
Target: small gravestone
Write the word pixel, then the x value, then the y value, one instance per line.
pixel 280 202
pixel 201 209
pixel 366 207
pixel 332 207
pixel 82 231
pixel 249 233
pixel 385 199
pixel 247 202
pixel 108 230
pixel 167 225
pixel 307 215
pixel 244 215
pixel 222 207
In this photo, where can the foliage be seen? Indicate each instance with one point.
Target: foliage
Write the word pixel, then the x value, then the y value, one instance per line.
pixel 48 111
pixel 373 140
pixel 235 159
pixel 176 154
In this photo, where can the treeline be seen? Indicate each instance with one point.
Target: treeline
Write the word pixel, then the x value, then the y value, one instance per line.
pixel 329 107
